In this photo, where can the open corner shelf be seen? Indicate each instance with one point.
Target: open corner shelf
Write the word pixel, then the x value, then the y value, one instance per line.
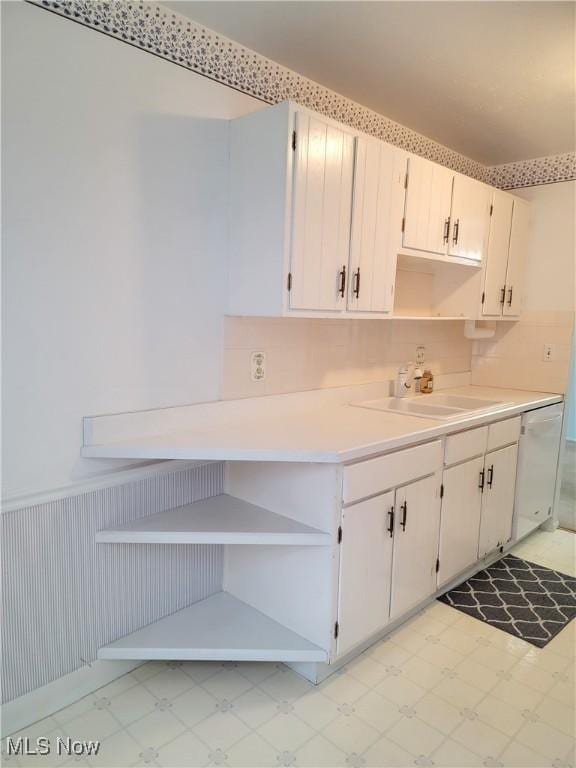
pixel 218 520
pixel 219 628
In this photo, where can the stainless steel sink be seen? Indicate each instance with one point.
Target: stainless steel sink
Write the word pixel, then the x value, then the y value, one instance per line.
pixel 436 406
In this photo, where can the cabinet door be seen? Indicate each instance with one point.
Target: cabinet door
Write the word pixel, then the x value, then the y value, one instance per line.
pixel 427 208
pixel 460 518
pixel 365 566
pixel 376 223
pixel 498 499
pixel 469 218
pixel 322 207
pixel 516 258
pixel 416 532
pixel 497 255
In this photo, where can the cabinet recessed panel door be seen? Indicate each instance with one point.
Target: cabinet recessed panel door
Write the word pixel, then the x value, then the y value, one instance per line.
pixel 322 207
pixel 470 214
pixel 365 566
pixel 379 172
pixel 497 255
pixel 516 258
pixel 415 544
pixel 498 499
pixel 460 518
pixel 427 208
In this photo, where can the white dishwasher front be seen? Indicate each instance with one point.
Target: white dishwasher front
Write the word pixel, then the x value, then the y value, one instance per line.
pixel 538 452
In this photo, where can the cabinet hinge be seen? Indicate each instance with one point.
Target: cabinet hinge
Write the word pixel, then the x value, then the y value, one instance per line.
pixel 442 491
pixel 491 210
pixel 339 534
pixel 437 564
pixel 289 282
pixel 403 223
pixel 294 141
pixel 483 297
pixel 336 630
pixel 406 181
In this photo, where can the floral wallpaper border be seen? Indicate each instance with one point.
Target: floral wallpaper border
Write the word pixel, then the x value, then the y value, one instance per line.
pixel 179 39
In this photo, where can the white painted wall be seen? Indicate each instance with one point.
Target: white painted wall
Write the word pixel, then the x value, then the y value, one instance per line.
pixel 114 232
pixel 551 263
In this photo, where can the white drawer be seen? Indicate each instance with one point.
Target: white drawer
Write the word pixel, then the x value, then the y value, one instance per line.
pixel 503 433
pixel 465 445
pixel 376 475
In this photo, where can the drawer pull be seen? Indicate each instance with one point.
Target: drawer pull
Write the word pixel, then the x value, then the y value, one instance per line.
pixel 391 521
pixel 404 509
pixel 490 479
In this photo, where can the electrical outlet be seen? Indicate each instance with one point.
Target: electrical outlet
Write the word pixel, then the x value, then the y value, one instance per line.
pixel 420 354
pixel 258 366
pixel 549 353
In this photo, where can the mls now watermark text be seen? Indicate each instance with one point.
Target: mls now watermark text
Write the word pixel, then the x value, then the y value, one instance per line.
pixel 45 746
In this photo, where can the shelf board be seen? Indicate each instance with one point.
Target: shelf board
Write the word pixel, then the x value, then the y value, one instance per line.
pixel 438 257
pixel 428 317
pixel 219 628
pixel 219 520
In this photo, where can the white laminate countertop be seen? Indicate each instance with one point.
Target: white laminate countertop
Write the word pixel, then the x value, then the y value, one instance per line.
pixel 319 427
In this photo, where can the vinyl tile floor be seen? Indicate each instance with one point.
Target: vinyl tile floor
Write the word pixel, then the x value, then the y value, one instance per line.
pixel 443 690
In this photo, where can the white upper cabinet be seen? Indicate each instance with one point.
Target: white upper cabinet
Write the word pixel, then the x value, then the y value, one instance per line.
pixel 376 219
pixel 427 208
pixel 323 172
pixel 445 213
pixel 319 214
pixel 504 268
pixel 516 258
pixel 469 218
pixel 497 254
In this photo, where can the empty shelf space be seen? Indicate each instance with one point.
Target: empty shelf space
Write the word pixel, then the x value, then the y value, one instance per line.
pixel 219 628
pixel 219 520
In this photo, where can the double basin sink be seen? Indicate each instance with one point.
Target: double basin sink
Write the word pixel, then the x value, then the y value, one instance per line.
pixel 435 406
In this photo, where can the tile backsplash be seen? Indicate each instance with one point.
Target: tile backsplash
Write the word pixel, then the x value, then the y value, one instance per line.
pixel 514 357
pixel 303 354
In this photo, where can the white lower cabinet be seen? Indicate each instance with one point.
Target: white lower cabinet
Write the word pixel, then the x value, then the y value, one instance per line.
pixel 461 510
pixel 365 570
pixel 388 558
pixel 416 529
pixel 498 499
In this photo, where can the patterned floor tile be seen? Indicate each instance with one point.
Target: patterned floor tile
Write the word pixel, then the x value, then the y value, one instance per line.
pixel 378 712
pixel 255 707
pixel 252 752
pixel 487 741
pixel 156 729
pixel 286 732
pixel 316 709
pixel 320 753
pixel 438 713
pixel 193 706
pixel 415 735
pixel 451 754
pixel 387 754
pixel 221 730
pixel 186 751
pixel 351 734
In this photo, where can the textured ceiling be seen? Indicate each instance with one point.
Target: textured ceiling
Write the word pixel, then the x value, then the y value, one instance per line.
pixel 492 80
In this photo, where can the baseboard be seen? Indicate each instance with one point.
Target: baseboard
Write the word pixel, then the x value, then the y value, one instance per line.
pixel 60 693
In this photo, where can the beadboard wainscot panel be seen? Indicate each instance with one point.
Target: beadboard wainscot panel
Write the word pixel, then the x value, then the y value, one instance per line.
pixel 65 596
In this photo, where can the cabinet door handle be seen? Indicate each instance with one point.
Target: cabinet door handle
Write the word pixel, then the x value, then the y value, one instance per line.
pixel 456 231
pixel 390 528
pixel 502 295
pixel 342 289
pixel 510 296
pixel 356 290
pixel 446 229
pixel 490 479
pixel 481 481
pixel 404 509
